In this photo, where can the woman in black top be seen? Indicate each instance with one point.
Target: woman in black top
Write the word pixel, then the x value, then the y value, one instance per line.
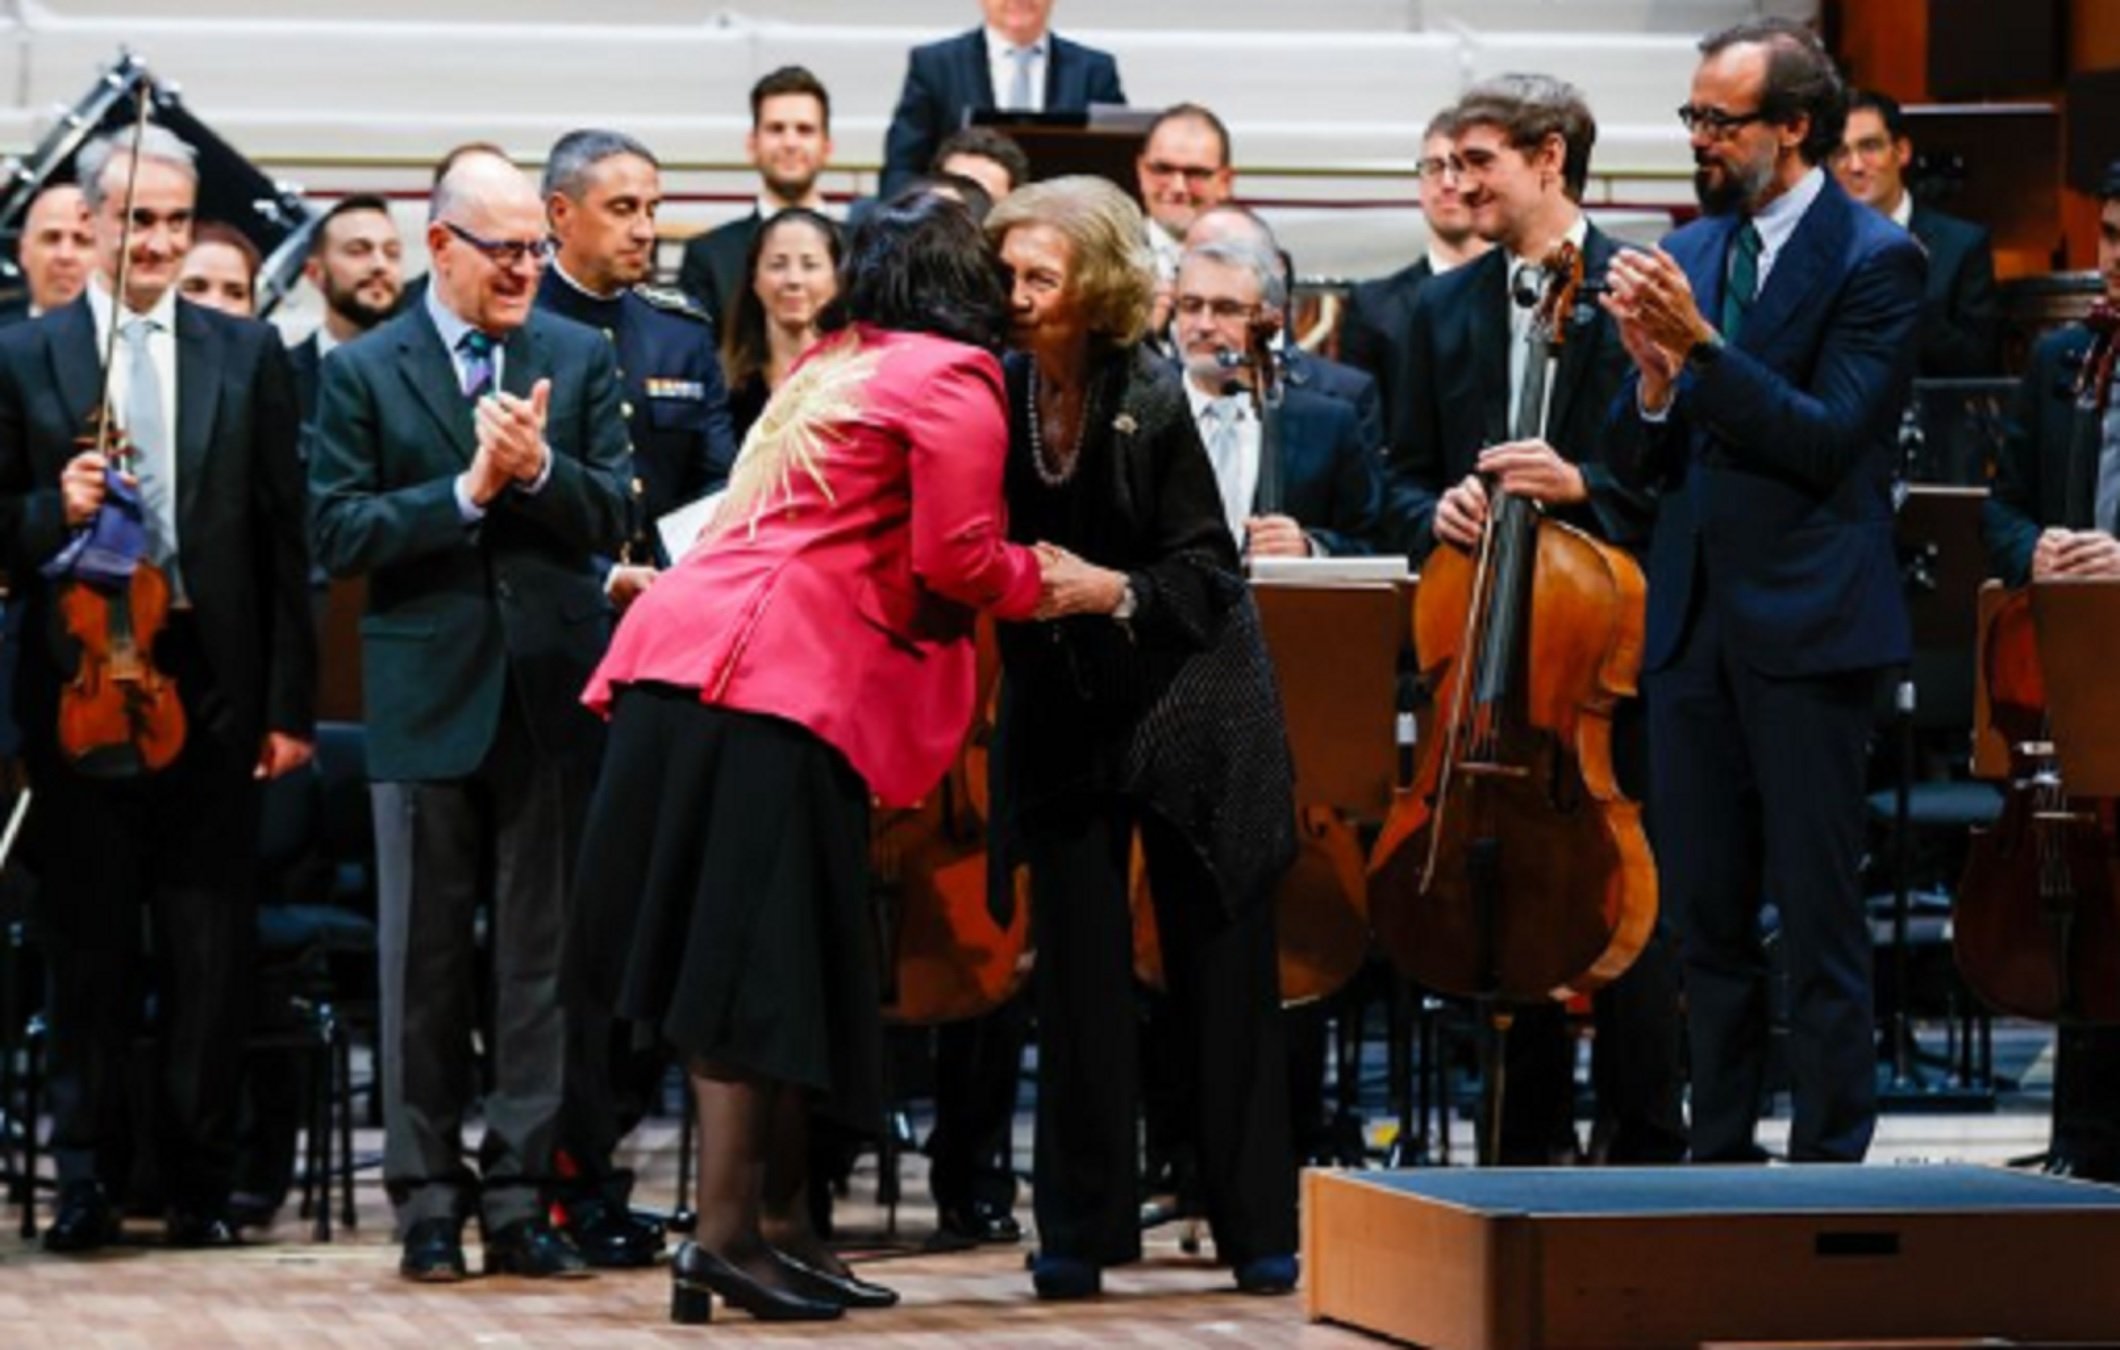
pixel 790 277
pixel 1145 705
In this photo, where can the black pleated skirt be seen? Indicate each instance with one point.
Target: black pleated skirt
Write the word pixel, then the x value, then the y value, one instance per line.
pixel 722 897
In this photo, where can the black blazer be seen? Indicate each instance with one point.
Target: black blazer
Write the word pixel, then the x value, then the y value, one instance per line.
pixel 1774 467
pixel 1456 374
pixel 947 80
pixel 1332 481
pixel 239 512
pixel 1373 334
pixel 457 613
pixel 1961 311
pixel 307 364
pixel 712 271
pixel 2046 472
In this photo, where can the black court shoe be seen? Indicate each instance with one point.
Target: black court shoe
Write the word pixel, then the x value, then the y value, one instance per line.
pixel 848 1290
pixel 697 1275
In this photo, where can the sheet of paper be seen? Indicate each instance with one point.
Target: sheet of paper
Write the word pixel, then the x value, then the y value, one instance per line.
pixel 679 530
pixel 1330 571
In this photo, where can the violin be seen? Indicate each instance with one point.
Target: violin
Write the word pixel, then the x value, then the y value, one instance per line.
pixel 951 957
pixel 119 715
pixel 1513 869
pixel 2035 925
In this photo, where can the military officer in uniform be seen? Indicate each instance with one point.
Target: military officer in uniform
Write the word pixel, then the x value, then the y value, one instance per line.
pixel 601 192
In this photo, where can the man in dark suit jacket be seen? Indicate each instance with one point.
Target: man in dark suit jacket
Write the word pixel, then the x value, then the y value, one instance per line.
pixel 357 264
pixel 476 516
pixel 1774 589
pixel 790 141
pixel 2054 513
pixel 1961 312
pixel 1324 494
pixel 1473 386
pixel 1379 313
pixel 207 403
pixel 947 81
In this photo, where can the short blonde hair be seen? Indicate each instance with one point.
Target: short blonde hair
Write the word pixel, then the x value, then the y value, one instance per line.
pixel 1114 273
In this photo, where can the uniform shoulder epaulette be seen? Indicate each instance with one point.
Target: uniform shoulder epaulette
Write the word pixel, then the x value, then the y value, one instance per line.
pixel 671 300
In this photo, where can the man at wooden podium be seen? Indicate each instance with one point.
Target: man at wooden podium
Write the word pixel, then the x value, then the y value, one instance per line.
pixel 1478 419
pixel 2053 513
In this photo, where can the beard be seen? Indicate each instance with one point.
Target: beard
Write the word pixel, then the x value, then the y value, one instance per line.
pixel 1721 187
pixel 349 305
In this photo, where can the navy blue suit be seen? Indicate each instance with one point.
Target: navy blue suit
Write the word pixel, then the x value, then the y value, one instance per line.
pixel 1373 339
pixel 1308 372
pixel 1961 309
pixel 946 80
pixel 1774 599
pixel 1332 483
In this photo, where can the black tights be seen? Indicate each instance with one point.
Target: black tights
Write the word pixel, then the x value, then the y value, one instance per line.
pixel 754 1171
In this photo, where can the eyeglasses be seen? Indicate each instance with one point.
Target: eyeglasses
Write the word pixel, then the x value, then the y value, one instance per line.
pixel 504 253
pixel 1192 173
pixel 1714 121
pixel 1193 306
pixel 1432 168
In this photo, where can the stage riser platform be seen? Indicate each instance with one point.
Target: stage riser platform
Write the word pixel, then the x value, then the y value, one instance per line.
pixel 1646 1259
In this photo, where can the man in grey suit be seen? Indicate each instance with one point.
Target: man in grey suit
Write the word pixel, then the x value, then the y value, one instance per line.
pixel 471 460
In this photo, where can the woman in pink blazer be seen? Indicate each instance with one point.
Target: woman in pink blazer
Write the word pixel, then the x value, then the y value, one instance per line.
pixel 811 651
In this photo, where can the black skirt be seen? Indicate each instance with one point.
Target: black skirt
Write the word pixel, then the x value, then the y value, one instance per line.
pixel 722 897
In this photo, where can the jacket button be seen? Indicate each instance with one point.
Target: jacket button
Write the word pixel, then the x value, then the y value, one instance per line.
pixel 507 592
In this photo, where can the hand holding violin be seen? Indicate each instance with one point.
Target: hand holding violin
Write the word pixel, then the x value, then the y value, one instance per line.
pixel 81 486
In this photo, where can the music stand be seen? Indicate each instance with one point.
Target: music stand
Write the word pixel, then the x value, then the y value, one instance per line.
pixel 1335 652
pixel 2079 647
pixel 1103 142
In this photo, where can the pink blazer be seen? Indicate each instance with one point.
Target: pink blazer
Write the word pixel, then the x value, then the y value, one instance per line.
pixel 845 600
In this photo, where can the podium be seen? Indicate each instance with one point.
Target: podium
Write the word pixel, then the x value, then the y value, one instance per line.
pixel 1103 142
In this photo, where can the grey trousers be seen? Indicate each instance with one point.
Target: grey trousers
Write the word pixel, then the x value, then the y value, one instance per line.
pixel 504 836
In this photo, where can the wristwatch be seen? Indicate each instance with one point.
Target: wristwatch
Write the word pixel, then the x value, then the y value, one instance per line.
pixel 1702 355
pixel 1124 610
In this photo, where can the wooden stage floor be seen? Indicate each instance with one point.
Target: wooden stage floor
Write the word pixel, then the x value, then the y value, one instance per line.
pixel 287 1291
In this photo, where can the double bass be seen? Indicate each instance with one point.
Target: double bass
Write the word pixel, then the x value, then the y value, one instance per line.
pixel 2035 925
pixel 1513 870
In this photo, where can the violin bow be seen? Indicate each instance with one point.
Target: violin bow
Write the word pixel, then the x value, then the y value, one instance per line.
pixel 104 435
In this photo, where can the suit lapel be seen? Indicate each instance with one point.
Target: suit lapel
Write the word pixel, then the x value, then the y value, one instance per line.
pixel 1487 334
pixel 1059 77
pixel 1580 341
pixel 1808 255
pixel 1707 265
pixel 526 362
pixel 198 403
pixel 431 371
pixel 77 366
pixel 978 74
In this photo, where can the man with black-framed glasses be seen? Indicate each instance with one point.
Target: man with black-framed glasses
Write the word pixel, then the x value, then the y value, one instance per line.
pixel 471 461
pixel 1773 344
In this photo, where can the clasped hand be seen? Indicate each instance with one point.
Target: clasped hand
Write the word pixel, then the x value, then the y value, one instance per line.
pixel 1071 585
pixel 2075 554
pixel 511 441
pixel 1659 320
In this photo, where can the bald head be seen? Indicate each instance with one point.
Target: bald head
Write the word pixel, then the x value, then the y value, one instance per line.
pixel 486 232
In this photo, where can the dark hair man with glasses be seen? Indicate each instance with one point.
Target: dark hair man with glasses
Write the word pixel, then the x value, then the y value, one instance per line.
pixel 1961 313
pixel 471 462
pixel 1373 330
pixel 1773 343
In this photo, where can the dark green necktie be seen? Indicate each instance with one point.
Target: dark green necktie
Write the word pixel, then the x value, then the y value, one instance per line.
pixel 1743 284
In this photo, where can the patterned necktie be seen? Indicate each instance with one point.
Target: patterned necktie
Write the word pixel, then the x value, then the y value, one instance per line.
pixel 1225 450
pixel 478 364
pixel 1019 89
pixel 1743 286
pixel 149 434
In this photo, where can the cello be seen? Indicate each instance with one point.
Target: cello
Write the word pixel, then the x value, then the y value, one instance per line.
pixel 2035 926
pixel 1513 870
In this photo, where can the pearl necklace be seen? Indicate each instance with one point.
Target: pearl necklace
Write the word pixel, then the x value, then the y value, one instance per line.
pixel 1047 473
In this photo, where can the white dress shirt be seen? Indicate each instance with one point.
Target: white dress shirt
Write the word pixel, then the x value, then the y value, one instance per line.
pixel 1001 68
pixel 1779 219
pixel 1520 318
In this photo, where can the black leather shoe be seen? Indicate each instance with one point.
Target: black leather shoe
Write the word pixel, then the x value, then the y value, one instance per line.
pixel 434 1252
pixel 696 1275
pixel 848 1290
pixel 202 1229
pixel 610 1236
pixel 1064 1278
pixel 1269 1275
pixel 85 1220
pixel 534 1249
pixel 979 1224
pixel 2083 1167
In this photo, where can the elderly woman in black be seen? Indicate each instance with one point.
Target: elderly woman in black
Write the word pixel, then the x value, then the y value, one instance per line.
pixel 1145 706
